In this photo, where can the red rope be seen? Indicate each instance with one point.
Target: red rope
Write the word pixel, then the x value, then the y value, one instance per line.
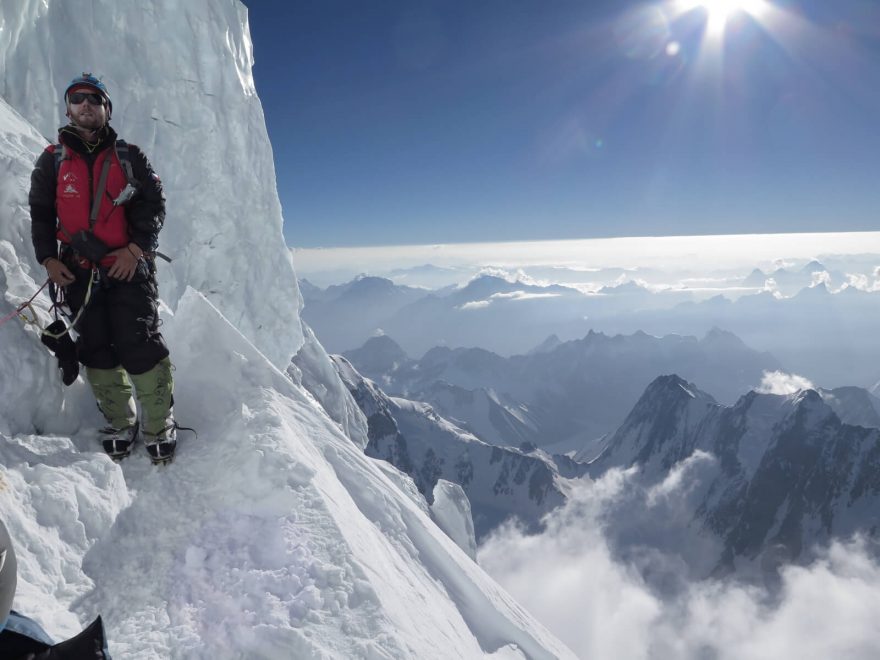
pixel 22 307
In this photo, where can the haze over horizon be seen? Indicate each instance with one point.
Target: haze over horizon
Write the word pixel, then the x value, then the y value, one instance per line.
pixel 742 251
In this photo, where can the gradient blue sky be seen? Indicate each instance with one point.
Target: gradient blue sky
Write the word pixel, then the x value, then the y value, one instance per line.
pixel 416 122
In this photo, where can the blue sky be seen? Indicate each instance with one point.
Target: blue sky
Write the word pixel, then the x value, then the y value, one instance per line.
pixel 413 122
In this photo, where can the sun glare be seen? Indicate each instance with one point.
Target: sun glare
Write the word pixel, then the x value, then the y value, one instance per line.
pixel 719 11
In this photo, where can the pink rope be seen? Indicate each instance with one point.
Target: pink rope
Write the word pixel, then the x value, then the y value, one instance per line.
pixel 22 307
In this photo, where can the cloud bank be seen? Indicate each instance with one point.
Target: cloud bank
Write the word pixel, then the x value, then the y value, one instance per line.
pixel 572 578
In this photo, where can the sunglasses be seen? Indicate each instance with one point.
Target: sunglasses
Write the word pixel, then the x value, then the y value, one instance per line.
pixel 78 97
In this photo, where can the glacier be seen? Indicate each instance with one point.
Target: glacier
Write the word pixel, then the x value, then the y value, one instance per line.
pixel 272 535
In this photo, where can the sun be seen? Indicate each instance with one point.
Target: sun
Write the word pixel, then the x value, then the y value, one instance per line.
pixel 719 11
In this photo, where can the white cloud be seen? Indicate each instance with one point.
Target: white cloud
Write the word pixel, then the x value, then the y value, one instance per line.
pixel 475 304
pixel 820 277
pixel 675 483
pixel 509 295
pixel 574 581
pixel 858 281
pixel 779 382
pixel 517 276
pixel 523 295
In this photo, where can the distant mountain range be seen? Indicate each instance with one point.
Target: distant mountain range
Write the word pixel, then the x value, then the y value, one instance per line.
pixel 500 482
pixel 565 395
pixel 827 337
pixel 789 473
pixel 343 315
pixel 789 282
pixel 780 474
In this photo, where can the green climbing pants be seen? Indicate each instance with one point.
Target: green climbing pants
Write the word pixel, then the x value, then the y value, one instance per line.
pixel 154 389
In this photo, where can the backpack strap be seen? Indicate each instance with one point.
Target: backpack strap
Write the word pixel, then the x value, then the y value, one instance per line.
pixel 124 155
pixel 60 154
pixel 99 193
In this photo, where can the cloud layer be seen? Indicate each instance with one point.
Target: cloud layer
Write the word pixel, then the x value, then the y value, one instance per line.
pixel 572 578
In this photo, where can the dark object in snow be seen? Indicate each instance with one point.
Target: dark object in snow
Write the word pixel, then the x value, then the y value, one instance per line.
pixel 8 574
pixel 64 349
pixel 24 638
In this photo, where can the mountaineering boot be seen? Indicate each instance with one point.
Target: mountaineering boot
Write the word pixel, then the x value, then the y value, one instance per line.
pixel 161 446
pixel 118 443
pixel 155 392
pixel 112 390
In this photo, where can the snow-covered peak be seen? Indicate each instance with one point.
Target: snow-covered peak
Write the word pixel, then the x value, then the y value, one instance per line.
pixel 179 75
pixel 671 391
pixel 662 427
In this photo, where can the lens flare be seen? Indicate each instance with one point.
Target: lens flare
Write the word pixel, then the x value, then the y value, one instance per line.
pixel 719 11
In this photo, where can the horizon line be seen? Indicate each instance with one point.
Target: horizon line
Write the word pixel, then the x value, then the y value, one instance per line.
pixel 548 241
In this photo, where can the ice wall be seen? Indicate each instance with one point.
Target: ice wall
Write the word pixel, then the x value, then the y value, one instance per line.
pixel 179 75
pixel 28 397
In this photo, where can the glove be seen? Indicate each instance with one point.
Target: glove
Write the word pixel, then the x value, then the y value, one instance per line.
pixel 64 349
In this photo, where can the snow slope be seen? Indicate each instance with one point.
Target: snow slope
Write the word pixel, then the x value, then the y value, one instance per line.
pixel 272 535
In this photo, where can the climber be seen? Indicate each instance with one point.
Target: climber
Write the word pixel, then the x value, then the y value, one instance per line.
pixel 100 197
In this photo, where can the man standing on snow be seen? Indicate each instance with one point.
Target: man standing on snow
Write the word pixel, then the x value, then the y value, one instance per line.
pixel 100 198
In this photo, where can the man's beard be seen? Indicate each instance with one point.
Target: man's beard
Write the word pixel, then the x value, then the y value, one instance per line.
pixel 89 123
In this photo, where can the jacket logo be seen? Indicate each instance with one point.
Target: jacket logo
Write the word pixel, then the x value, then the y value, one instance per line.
pixel 68 177
pixel 69 189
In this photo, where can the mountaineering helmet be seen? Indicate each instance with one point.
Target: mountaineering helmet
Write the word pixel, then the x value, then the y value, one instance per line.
pixel 88 80
pixel 8 570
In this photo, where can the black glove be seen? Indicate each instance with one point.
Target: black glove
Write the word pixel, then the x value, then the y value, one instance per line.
pixel 64 349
